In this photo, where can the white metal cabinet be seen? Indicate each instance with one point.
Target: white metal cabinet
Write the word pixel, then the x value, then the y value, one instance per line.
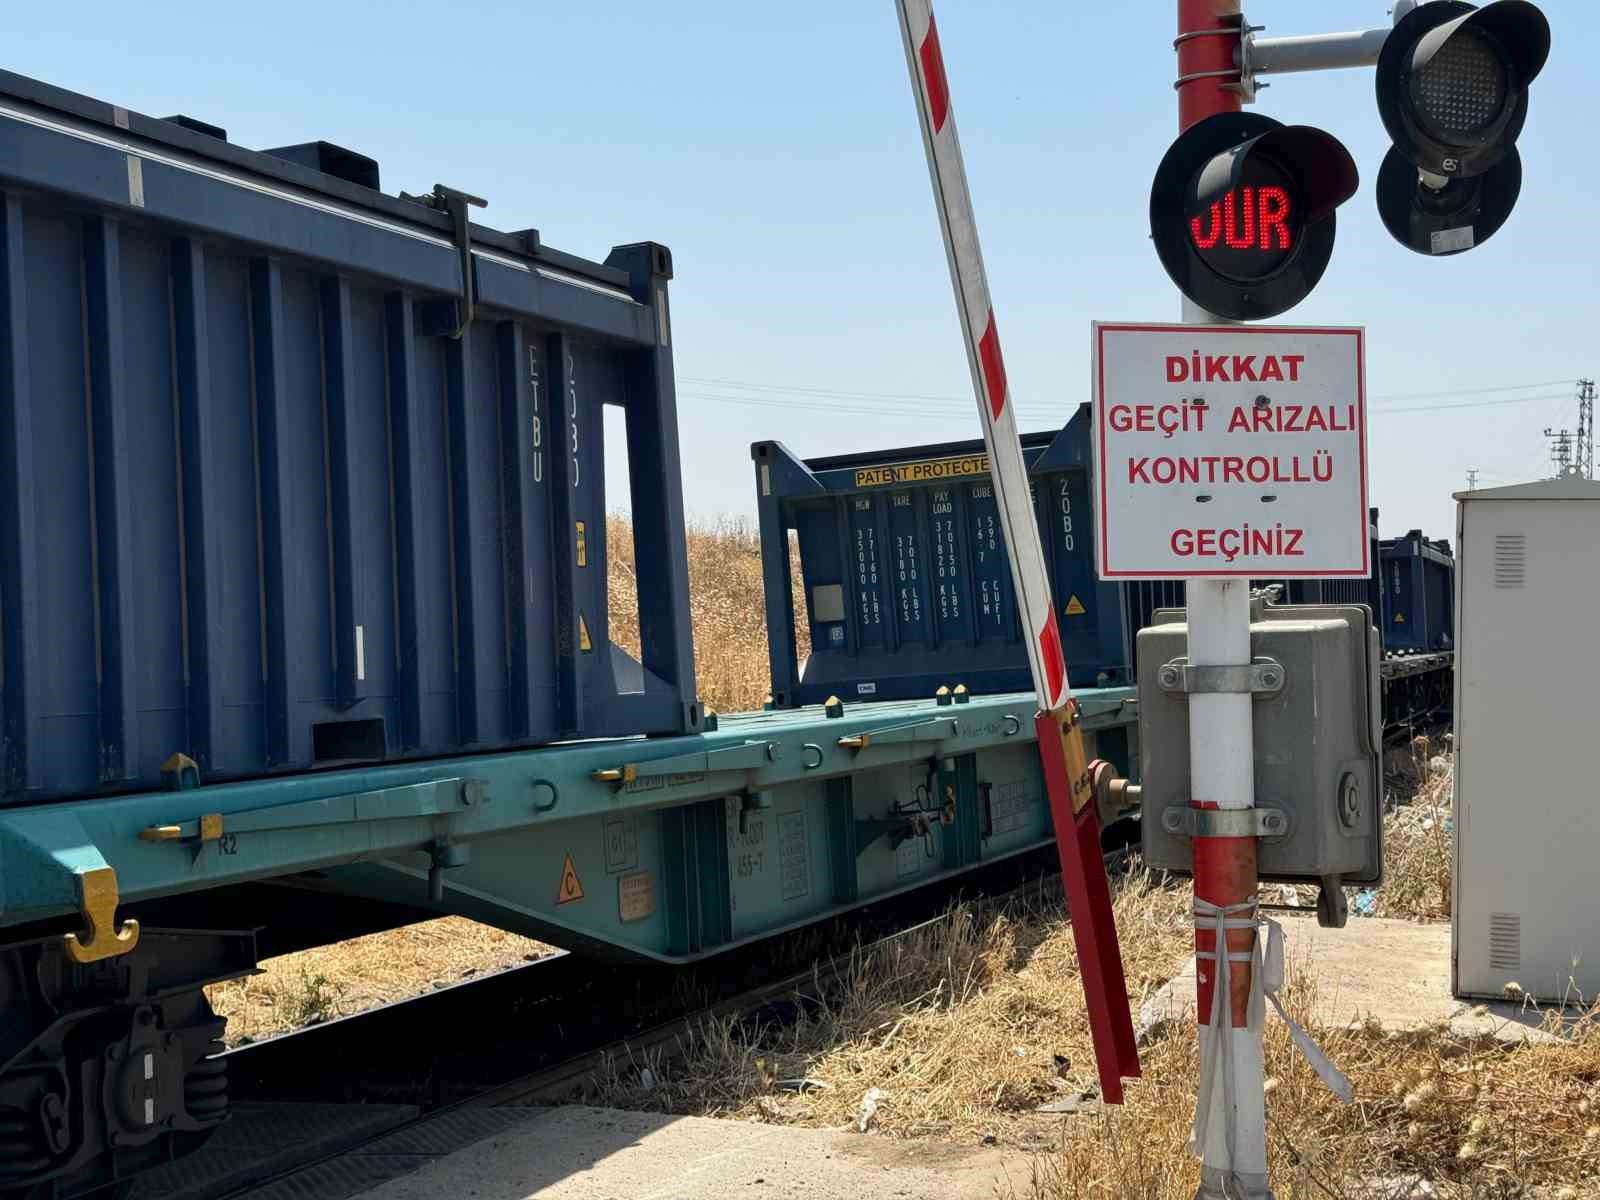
pixel 1527 819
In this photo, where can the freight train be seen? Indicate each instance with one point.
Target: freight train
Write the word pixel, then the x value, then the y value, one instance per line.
pixel 304 633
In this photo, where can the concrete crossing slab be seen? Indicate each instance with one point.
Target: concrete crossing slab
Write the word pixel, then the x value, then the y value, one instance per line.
pixel 583 1153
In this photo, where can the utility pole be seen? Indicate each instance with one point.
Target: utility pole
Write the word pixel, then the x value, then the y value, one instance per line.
pixel 1586 428
pixel 1560 450
pixel 1472 479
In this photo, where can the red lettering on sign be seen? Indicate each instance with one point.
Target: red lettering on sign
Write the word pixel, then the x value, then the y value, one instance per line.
pixel 1244 542
pixel 1248 218
pixel 1274 217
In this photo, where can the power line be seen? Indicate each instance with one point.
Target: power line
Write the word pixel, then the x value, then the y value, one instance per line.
pixel 893 408
pixel 1483 391
pixel 1431 408
pixel 859 410
pixel 748 385
pixel 925 397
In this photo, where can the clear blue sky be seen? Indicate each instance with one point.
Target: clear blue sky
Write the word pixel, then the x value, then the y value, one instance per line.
pixel 774 147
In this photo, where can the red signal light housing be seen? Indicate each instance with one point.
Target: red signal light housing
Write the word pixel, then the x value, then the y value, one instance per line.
pixel 1242 212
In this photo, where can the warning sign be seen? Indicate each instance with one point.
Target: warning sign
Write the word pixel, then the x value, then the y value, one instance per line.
pixel 1075 607
pixel 583 634
pixel 1230 450
pixel 570 888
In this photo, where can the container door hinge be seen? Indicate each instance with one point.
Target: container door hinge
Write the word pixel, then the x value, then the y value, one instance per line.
pixel 1225 822
pixel 454 203
pixel 1262 677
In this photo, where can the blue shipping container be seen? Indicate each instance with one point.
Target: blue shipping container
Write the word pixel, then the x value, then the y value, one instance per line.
pixel 293 472
pixel 1418 593
pixel 907 582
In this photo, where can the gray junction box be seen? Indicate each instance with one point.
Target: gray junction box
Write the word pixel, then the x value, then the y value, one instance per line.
pixel 1317 736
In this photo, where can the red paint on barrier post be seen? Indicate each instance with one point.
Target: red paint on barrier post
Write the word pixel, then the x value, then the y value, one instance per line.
pixel 933 71
pixel 1094 930
pixel 994 368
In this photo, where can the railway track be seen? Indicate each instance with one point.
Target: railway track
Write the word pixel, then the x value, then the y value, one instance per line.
pixel 334 1109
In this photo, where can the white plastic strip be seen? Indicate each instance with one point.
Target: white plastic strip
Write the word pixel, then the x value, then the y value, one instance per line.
pixel 1265 963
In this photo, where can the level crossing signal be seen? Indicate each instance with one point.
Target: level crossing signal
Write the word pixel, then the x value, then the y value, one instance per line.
pixel 1452 83
pixel 1242 212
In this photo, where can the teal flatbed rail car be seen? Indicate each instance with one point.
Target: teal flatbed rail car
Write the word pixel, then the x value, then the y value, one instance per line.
pixel 662 848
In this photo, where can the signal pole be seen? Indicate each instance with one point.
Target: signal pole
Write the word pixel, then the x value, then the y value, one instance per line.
pixel 1233 1144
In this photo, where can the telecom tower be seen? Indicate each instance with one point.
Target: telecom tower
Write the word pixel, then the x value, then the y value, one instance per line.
pixel 1585 447
pixel 1574 454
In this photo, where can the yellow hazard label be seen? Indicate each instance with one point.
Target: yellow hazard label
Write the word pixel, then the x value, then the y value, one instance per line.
pixel 583 546
pixel 570 888
pixel 1399 618
pixel 583 634
pixel 923 472
pixel 1075 607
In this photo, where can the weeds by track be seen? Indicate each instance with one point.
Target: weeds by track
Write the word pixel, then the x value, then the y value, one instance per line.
pixel 541 1032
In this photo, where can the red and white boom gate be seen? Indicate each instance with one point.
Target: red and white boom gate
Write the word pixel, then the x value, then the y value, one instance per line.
pixel 1067 773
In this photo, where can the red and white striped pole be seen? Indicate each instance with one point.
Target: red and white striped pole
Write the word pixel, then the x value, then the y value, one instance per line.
pixel 1066 770
pixel 1231 1128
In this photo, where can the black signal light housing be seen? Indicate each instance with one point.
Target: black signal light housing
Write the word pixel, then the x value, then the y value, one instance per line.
pixel 1242 212
pixel 1452 85
pixel 1452 82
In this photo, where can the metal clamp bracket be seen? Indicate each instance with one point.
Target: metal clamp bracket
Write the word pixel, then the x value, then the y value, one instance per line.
pixel 437 798
pixel 935 729
pixel 1225 822
pixel 454 203
pixel 1262 677
pixel 747 756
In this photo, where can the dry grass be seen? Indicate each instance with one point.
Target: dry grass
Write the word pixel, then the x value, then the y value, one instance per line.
pixel 726 607
pixel 1472 1118
pixel 349 977
pixel 966 1026
pixel 959 1030
pixel 1418 847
